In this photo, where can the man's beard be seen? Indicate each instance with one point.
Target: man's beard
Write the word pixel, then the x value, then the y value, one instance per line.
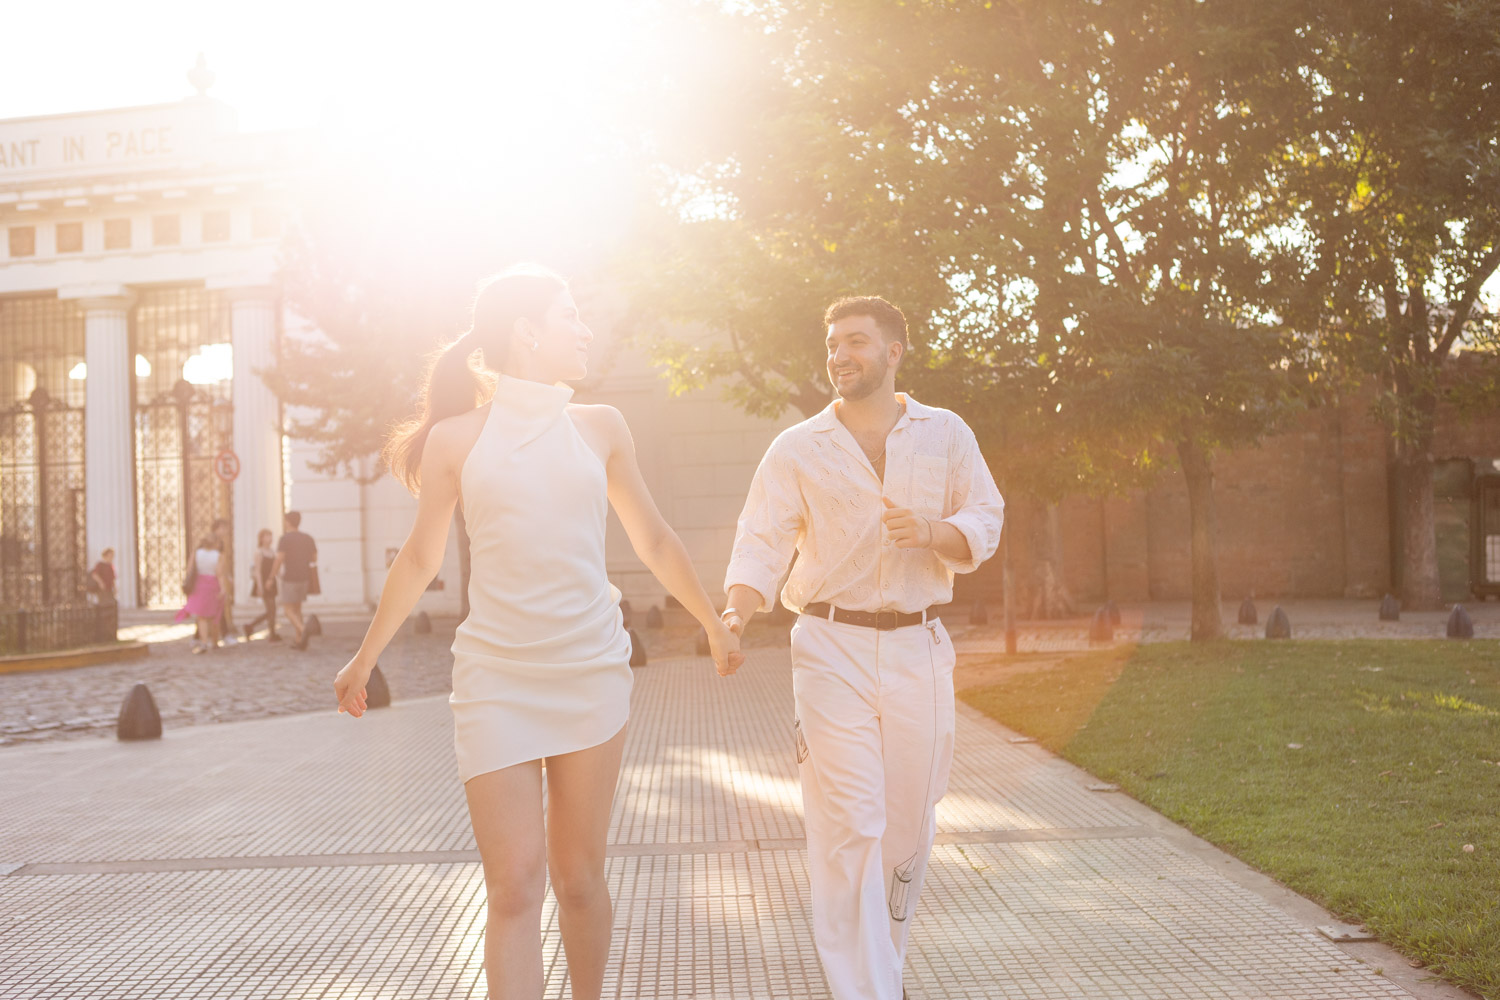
pixel 868 381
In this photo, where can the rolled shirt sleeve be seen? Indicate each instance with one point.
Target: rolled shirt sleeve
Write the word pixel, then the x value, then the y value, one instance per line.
pixel 978 509
pixel 766 536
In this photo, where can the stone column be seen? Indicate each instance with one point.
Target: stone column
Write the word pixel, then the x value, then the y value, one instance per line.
pixel 109 445
pixel 257 430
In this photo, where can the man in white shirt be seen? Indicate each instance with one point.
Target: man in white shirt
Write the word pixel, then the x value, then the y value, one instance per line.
pixel 883 499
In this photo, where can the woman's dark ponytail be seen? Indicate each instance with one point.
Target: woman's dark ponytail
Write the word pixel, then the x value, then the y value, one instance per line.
pixel 453 383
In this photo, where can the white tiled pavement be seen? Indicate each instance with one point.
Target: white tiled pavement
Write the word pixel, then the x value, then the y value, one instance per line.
pixel 316 856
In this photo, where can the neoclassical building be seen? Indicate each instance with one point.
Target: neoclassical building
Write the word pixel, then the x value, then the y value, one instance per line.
pixel 138 303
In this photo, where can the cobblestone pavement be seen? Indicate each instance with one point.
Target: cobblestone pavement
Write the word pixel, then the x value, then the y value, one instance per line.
pixel 247 680
pixel 260 678
pixel 244 681
pixel 321 856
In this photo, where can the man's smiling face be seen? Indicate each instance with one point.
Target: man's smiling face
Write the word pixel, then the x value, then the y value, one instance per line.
pixel 859 356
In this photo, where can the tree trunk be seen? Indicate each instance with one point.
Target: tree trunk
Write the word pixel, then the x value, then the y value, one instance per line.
pixel 1421 589
pixel 1197 468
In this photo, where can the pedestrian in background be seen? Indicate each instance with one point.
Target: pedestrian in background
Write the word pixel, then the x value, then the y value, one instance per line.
pixel 101 581
pixel 296 553
pixel 226 577
pixel 263 585
pixel 205 591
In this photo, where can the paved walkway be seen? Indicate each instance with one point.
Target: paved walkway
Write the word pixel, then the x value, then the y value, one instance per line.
pixel 316 856
pixel 1171 621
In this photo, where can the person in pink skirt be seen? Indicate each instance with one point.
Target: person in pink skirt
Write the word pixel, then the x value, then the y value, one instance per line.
pixel 204 602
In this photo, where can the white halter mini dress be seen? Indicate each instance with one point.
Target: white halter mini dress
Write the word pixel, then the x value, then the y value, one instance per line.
pixel 542 664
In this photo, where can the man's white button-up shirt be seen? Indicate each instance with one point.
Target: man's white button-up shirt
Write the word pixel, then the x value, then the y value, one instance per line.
pixel 817 494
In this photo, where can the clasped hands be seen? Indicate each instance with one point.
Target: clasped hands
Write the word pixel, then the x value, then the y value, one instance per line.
pixel 724 644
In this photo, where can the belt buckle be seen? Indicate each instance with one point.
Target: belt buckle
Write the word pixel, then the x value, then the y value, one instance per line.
pixel 885 621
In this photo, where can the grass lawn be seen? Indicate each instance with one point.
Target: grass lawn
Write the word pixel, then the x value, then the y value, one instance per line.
pixel 1354 772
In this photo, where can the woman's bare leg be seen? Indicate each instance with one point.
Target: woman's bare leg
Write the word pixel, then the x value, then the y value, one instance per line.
pixel 580 790
pixel 505 807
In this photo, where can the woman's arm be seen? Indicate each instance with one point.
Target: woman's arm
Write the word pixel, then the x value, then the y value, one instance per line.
pixel 656 543
pixel 419 560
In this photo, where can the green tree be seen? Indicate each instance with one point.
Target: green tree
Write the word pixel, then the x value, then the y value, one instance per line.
pixel 1073 201
pixel 1396 175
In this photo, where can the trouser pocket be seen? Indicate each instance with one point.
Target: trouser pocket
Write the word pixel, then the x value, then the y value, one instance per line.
pixel 801 740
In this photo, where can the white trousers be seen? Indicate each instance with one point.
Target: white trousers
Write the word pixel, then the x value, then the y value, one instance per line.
pixel 874 743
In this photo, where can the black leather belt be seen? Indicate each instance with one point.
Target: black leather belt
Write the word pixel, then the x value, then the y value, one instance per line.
pixel 882 620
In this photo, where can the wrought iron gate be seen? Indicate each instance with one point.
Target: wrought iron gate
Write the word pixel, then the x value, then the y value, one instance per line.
pixel 42 529
pixel 180 426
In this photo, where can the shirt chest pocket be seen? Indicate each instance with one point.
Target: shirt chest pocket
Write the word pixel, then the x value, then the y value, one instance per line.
pixel 929 485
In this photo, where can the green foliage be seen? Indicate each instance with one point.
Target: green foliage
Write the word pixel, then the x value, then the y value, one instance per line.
pixel 1354 772
pixel 1071 201
pixel 1395 175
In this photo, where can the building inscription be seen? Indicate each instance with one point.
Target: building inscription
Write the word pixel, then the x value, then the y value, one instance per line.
pixel 115 145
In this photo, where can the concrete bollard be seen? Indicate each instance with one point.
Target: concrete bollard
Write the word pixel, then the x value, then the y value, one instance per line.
pixel 1390 608
pixel 139 719
pixel 314 627
pixel 979 614
pixel 1248 614
pixel 1101 630
pixel 637 650
pixel 423 624
pixel 1114 613
pixel 653 617
pixel 1460 625
pixel 377 691
pixel 1278 626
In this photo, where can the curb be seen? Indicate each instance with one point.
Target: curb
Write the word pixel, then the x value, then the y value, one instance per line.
pixel 65 659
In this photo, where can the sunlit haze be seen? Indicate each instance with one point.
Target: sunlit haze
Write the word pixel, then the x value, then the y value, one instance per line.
pixel 512 102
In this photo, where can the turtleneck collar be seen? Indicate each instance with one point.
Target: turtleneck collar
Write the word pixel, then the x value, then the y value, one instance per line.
pixel 521 395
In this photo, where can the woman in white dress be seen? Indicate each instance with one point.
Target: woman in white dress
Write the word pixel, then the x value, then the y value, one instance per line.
pixel 541 665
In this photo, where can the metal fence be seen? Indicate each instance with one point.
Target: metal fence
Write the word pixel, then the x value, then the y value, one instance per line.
pixel 179 427
pixel 42 530
pixel 40 630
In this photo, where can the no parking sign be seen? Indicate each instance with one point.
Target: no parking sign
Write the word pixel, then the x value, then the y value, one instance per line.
pixel 227 465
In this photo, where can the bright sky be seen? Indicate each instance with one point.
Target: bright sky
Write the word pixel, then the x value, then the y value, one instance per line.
pixel 304 62
pixel 507 100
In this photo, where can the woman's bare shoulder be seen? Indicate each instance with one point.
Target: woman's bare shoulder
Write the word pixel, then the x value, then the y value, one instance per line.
pixel 601 415
pixel 452 438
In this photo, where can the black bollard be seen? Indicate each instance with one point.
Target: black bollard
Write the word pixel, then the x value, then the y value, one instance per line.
pixel 637 650
pixel 1460 625
pixel 1278 626
pixel 1248 614
pixel 1390 608
pixel 139 719
pixel 313 626
pixel 1114 613
pixel 423 624
pixel 653 617
pixel 377 691
pixel 1102 629
pixel 979 614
